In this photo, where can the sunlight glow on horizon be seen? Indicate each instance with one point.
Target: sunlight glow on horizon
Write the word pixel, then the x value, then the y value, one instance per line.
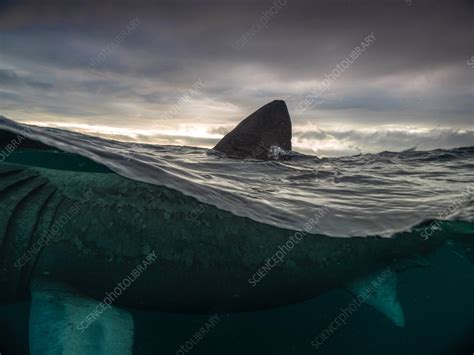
pixel 308 138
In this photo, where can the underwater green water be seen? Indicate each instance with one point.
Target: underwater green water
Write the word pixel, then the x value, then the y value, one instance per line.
pixel 438 301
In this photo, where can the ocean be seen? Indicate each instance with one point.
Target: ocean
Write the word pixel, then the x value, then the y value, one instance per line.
pixel 228 279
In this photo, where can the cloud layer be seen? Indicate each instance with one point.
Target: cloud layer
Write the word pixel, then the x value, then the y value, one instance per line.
pixel 414 74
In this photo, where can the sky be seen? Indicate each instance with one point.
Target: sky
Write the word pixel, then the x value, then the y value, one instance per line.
pixel 357 76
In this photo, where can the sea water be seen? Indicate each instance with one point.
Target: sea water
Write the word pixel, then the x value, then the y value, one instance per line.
pixel 367 195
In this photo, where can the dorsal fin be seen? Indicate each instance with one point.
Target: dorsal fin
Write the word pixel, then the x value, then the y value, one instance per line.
pixel 269 126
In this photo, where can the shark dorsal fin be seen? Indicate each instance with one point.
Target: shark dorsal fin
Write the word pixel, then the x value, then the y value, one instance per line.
pixel 269 126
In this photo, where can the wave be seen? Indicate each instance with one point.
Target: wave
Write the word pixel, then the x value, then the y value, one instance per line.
pixel 365 195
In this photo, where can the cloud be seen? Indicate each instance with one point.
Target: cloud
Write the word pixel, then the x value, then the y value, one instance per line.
pixel 220 130
pixel 349 142
pixel 414 73
pixel 9 78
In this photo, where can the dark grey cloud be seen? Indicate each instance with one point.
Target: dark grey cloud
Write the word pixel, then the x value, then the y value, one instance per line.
pixel 312 34
pixel 10 78
pixel 415 73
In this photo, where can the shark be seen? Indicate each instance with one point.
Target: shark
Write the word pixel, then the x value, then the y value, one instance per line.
pixel 86 244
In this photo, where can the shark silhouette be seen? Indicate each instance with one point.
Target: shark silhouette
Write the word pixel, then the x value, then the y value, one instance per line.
pixel 86 245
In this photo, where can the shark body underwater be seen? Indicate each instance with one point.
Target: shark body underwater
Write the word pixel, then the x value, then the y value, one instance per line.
pixel 68 237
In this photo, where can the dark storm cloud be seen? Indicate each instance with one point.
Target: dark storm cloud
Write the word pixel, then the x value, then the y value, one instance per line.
pixel 309 33
pixel 415 72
